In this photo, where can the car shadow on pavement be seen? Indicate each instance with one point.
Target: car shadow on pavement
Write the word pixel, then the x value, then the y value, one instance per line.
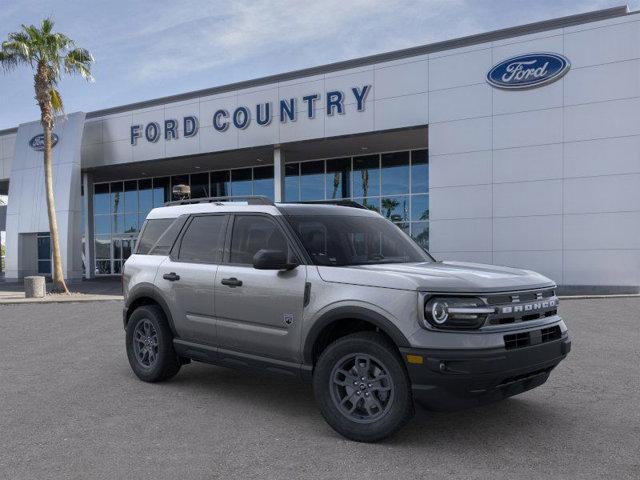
pixel 516 420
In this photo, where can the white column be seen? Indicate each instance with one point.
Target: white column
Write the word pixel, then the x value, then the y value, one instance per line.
pixel 278 174
pixel 87 186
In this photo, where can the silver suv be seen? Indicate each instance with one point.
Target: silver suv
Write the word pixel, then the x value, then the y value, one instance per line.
pixel 340 296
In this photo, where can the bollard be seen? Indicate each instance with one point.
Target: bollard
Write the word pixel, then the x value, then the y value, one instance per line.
pixel 34 287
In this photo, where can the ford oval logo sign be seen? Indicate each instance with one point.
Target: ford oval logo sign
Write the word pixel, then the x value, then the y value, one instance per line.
pixel 37 142
pixel 528 71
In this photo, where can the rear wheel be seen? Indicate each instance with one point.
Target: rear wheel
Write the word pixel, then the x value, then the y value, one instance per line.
pixel 150 345
pixel 362 387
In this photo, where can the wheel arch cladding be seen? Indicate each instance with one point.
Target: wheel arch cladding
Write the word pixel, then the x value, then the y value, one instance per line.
pixel 147 294
pixel 354 318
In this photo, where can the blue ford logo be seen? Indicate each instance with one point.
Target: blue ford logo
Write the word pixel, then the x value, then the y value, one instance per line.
pixel 37 142
pixel 528 71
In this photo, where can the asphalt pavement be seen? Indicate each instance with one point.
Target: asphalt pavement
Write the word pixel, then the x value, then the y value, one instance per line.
pixel 71 408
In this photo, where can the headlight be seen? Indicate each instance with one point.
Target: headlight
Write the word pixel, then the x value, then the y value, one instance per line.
pixel 456 312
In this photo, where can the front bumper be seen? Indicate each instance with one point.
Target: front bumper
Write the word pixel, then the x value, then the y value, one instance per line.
pixel 451 379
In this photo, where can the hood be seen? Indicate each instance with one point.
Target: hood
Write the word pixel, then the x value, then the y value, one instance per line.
pixel 461 277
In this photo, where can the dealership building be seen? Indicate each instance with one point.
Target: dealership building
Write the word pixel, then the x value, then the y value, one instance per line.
pixel 516 147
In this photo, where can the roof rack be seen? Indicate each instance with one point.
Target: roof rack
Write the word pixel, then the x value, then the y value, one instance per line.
pixel 250 199
pixel 339 202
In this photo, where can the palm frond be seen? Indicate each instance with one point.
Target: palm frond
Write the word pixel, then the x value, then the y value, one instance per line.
pixel 56 101
pixel 79 60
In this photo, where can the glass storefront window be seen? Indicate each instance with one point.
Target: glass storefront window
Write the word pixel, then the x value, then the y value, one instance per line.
pixel 117 190
pixel 292 182
pixel 131 196
pixel 395 209
pixel 241 182
pixel 101 199
pixel 420 207
pixel 220 184
pixel 395 173
pixel 312 180
pixel 366 176
pixel 420 233
pixel 419 171
pixel 44 253
pixel 263 181
pixel 102 224
pixel 199 185
pixel 338 179
pixel 161 191
pixel 145 196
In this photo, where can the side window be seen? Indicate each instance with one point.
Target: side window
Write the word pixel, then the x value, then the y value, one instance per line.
pixel 252 233
pixel 152 231
pixel 204 239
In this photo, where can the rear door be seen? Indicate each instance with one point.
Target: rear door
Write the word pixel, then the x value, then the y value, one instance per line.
pixel 259 311
pixel 187 277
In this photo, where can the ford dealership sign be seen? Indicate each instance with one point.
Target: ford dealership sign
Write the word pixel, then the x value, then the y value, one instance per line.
pixel 528 71
pixel 37 142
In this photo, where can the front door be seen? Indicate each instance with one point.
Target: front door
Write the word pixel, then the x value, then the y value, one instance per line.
pixel 259 311
pixel 187 277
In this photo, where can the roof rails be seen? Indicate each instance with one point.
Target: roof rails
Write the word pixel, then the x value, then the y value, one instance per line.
pixel 339 202
pixel 250 199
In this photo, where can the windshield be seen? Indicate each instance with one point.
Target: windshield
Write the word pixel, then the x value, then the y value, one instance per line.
pixel 342 240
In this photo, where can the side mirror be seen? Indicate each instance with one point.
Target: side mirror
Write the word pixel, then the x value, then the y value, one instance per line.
pixel 272 260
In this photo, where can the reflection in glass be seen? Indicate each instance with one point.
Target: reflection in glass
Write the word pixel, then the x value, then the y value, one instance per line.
pixel 370 203
pixel 145 196
pixel 263 181
pixel 131 223
pixel 292 182
pixel 420 207
pixel 116 197
pixel 199 185
pixel 131 196
pixel 420 233
pixel 366 176
pixel 117 248
pixel 420 171
pixel 118 224
pixel 101 198
pixel 396 209
pixel 404 226
pixel 161 189
pixel 103 267
pixel 178 180
pixel 241 182
pixel 220 184
pixel 117 267
pixel 44 267
pixel 44 247
pixel 127 247
pixel 338 178
pixel 102 224
pixel 395 173
pixel 312 180
pixel 102 247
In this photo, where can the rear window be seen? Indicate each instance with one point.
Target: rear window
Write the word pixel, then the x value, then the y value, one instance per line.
pixel 151 233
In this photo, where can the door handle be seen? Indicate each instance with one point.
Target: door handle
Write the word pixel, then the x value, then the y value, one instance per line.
pixel 231 282
pixel 172 277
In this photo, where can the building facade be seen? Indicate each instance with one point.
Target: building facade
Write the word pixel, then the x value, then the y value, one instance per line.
pixel 518 147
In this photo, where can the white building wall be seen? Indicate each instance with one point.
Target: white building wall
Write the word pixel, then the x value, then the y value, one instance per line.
pixel 548 178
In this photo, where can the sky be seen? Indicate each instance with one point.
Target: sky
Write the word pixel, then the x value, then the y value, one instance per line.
pixel 149 49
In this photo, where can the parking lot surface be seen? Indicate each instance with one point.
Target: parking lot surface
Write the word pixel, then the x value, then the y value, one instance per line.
pixel 71 408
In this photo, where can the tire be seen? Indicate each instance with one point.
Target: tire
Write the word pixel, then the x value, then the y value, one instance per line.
pixel 152 357
pixel 384 404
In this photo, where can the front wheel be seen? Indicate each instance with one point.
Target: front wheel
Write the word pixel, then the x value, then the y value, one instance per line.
pixel 362 387
pixel 150 345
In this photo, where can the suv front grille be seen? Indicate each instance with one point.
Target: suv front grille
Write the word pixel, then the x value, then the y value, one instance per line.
pixel 522 306
pixel 525 339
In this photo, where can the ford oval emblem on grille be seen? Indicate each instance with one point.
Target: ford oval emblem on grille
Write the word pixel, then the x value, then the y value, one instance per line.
pixel 528 71
pixel 37 142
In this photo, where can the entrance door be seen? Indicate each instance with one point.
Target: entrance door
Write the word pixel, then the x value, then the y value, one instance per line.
pixel 259 311
pixel 187 277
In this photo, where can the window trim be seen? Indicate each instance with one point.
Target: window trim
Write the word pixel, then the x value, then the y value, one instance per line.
pixel 174 253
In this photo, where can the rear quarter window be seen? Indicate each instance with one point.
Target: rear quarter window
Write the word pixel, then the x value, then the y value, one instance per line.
pixel 151 233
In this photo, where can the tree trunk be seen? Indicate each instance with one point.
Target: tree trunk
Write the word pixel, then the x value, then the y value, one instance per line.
pixel 59 285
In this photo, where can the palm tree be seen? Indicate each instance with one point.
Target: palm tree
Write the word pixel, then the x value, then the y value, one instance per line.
pixel 47 53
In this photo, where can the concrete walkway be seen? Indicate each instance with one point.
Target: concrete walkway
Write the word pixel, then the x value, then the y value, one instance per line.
pixel 84 291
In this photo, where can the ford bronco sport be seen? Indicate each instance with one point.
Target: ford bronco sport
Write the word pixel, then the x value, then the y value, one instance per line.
pixel 340 296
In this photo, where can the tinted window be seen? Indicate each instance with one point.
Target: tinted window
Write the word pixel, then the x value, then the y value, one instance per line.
pixel 252 233
pixel 340 240
pixel 151 233
pixel 203 240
